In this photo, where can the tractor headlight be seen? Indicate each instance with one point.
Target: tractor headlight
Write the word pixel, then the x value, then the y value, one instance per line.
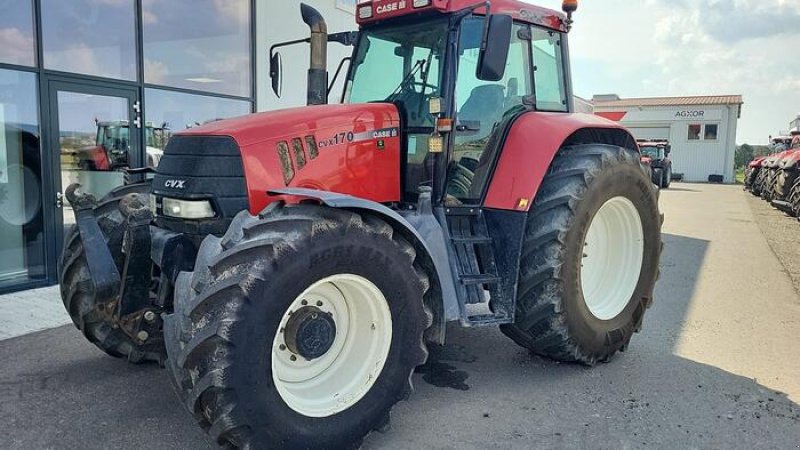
pixel 187 209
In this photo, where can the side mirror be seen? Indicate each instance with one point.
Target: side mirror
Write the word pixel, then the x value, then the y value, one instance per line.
pixel 668 150
pixel 494 49
pixel 276 73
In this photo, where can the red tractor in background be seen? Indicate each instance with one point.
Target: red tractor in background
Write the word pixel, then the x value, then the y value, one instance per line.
pixel 757 175
pixel 655 156
pixel 112 146
pixel 776 171
pixel 291 268
pixel 787 171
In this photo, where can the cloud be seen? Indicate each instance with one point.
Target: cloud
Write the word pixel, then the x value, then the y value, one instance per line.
pixel 17 46
pixel 693 47
pixel 732 21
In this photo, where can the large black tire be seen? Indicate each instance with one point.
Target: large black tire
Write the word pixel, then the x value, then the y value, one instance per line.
pixel 758 184
pixel 667 178
pixel 227 313
pixel 770 183
pixel 794 198
pixel 658 177
pixel 77 289
pixel 552 317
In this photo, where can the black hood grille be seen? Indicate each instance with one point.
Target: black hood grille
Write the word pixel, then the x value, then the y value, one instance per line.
pixel 203 167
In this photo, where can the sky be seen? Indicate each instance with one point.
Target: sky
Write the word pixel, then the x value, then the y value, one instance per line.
pixel 653 48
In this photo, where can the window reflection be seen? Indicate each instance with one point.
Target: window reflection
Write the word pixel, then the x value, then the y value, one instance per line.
pixel 21 220
pixel 167 112
pixel 16 32
pixel 92 37
pixel 209 52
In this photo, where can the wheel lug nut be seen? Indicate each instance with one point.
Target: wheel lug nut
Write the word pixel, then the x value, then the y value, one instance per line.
pixel 282 347
pixel 293 358
pixel 142 335
pixel 319 303
pixel 304 302
pixel 149 316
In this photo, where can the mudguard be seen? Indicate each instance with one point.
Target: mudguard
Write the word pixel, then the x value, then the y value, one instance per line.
pixel 425 230
pixel 531 145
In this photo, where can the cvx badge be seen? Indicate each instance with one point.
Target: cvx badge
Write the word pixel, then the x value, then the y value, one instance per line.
pixel 175 184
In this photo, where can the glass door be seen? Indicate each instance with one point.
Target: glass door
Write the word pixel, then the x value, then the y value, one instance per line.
pixel 95 136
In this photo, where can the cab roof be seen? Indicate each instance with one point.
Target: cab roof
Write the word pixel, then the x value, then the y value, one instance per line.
pixel 521 11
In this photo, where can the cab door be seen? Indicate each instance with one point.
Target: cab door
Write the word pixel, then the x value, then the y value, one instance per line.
pixel 482 106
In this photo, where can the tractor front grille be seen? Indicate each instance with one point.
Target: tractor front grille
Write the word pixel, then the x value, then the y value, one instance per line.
pixel 202 167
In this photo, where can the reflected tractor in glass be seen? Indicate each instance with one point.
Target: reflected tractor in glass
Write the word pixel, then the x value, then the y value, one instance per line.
pixel 292 268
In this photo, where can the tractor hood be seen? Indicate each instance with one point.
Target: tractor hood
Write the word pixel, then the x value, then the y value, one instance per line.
pixel 349 149
pixel 789 161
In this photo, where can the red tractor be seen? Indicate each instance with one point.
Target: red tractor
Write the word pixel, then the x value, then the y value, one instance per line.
pixel 760 170
pixel 787 172
pixel 655 155
pixel 292 267
pixel 112 145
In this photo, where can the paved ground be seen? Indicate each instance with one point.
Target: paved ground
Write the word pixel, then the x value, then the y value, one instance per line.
pixel 716 367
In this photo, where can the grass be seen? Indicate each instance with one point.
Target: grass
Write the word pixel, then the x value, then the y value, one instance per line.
pixel 740 175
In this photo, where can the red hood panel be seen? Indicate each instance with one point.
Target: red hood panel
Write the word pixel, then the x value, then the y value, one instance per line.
pixel 349 149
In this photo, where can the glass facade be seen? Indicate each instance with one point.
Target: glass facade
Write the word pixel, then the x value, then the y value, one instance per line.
pixel 167 112
pixel 16 33
pixel 91 87
pixel 22 237
pixel 90 37
pixel 210 52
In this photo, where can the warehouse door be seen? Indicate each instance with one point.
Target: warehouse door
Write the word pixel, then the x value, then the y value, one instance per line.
pixel 650 133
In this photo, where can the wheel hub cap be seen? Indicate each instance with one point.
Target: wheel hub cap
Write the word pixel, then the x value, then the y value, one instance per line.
pixel 612 258
pixel 310 332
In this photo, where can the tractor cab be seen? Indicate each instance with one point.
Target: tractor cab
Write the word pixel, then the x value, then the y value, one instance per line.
pixel 459 73
pixel 655 155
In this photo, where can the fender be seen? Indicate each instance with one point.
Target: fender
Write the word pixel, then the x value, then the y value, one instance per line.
pixel 427 235
pixel 533 142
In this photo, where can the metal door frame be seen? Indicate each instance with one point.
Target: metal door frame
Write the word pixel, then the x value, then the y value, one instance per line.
pixel 51 85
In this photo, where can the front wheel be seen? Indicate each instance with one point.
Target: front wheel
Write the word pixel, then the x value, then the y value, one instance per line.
pixel 590 256
pixel 299 329
pixel 667 178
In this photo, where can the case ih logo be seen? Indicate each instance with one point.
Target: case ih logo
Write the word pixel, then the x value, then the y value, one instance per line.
pixel 391 7
pixel 690 114
pixel 175 184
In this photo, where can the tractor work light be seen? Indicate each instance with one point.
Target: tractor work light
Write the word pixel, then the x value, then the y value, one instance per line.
pixel 421 3
pixel 365 11
pixel 436 144
pixel 569 6
pixel 187 209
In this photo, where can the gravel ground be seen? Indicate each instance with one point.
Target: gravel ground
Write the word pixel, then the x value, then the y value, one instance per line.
pixel 783 234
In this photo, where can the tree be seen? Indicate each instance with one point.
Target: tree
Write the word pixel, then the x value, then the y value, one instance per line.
pixel 744 154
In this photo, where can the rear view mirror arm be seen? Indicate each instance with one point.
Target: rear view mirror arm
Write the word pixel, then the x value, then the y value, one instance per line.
pixel 338 71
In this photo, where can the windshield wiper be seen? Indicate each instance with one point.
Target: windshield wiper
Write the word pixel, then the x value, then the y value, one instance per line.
pixel 411 74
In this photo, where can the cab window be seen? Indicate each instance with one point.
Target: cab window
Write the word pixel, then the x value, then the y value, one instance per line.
pixel 551 92
pixel 481 106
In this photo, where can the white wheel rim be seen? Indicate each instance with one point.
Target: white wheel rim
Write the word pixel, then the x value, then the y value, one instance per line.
pixel 613 253
pixel 338 379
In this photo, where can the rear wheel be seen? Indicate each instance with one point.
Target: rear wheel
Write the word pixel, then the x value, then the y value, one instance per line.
pixel 590 256
pixel 794 198
pixel 298 329
pixel 667 178
pixel 77 288
pixel 658 177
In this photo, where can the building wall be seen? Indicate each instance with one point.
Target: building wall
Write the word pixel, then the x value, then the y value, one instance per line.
pixel 695 159
pixel 280 21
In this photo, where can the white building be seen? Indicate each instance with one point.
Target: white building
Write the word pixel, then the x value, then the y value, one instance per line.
pixel 702 130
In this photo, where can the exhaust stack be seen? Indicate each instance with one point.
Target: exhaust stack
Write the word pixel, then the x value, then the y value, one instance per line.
pixel 318 69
